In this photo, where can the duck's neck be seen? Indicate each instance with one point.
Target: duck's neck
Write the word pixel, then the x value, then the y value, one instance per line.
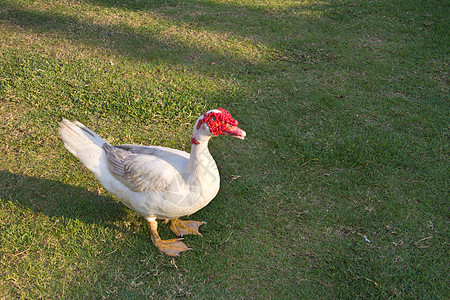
pixel 201 166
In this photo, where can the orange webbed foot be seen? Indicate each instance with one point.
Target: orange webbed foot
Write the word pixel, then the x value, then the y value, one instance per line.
pixel 172 247
pixel 181 228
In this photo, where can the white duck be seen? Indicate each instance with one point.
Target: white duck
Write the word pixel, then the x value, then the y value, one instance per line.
pixel 157 182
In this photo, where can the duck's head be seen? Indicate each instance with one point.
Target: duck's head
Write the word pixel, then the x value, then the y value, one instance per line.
pixel 216 122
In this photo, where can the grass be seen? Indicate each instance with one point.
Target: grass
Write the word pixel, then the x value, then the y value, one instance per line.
pixel 339 191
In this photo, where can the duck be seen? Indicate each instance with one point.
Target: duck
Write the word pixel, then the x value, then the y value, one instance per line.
pixel 158 183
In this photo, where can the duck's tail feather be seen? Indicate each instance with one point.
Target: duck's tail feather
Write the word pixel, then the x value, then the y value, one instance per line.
pixel 84 143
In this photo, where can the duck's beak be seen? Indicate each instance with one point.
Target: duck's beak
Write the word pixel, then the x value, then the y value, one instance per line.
pixel 235 131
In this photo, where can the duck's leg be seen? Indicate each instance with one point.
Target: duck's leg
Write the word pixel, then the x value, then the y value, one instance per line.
pixel 171 247
pixel 181 228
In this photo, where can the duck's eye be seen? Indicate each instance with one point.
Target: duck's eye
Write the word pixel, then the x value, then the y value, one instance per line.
pixel 213 118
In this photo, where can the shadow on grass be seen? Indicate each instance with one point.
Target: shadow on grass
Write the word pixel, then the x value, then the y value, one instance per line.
pixel 74 264
pixel 56 199
pixel 134 43
pixel 146 43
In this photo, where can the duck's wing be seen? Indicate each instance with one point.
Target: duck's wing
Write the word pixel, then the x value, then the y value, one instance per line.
pixel 143 171
pixel 177 158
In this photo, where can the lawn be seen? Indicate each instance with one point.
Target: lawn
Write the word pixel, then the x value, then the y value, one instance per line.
pixel 340 190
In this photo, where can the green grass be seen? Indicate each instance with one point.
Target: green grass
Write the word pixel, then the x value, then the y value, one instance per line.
pixel 346 108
